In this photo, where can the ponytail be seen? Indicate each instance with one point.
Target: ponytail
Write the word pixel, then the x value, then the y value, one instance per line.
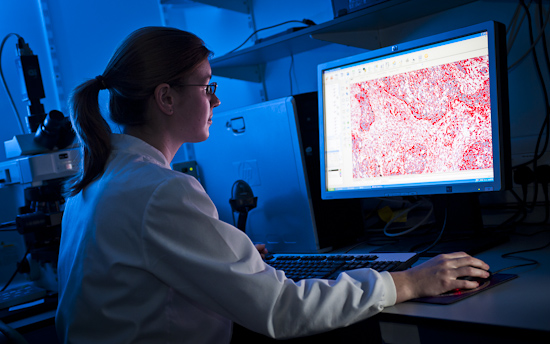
pixel 93 134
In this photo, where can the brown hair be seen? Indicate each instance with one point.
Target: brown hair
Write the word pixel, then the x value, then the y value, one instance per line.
pixel 146 58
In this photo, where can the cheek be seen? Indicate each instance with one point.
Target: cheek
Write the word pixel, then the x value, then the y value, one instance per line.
pixel 195 111
pixel 204 110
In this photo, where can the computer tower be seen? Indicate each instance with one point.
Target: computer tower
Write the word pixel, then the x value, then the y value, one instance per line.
pixel 274 147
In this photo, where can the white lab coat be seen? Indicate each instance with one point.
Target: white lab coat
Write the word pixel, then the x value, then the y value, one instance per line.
pixel 145 259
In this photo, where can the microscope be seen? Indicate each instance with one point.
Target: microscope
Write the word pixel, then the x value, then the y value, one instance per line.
pixel 38 162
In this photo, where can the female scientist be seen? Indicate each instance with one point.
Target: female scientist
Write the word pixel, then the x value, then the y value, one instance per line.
pixel 144 257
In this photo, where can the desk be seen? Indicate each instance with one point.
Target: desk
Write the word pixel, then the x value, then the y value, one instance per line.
pixel 36 325
pixel 517 311
pixel 513 312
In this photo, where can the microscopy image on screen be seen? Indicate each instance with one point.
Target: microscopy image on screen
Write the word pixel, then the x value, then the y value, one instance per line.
pixel 431 120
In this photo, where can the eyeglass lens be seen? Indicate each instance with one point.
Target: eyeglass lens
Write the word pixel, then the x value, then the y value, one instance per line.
pixel 211 89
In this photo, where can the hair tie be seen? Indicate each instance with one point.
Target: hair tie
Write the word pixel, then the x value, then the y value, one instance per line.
pixel 101 80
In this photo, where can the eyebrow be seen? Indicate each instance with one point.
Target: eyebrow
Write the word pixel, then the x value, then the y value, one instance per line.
pixel 207 77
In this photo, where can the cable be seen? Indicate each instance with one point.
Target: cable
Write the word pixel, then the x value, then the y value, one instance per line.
pixel 436 241
pixel 406 211
pixel 10 224
pixel 303 21
pixel 519 215
pixel 17 269
pixel 545 94
pixel 21 126
pixel 545 128
pixel 533 43
pixel 512 255
pixel 540 148
pixel 542 27
pixel 509 28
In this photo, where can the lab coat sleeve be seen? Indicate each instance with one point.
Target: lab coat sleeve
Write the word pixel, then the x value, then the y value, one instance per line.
pixel 215 264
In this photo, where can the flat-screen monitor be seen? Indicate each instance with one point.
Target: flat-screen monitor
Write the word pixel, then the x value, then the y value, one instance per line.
pixel 426 117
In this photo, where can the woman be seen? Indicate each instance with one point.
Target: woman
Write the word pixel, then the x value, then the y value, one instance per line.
pixel 144 258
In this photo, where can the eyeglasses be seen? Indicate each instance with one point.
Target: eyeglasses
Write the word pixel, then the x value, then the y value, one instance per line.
pixel 210 88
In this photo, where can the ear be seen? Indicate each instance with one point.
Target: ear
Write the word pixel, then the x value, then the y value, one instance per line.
pixel 164 98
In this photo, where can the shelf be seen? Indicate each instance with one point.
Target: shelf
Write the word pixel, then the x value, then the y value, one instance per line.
pixel 243 64
pixel 357 29
pixel 237 6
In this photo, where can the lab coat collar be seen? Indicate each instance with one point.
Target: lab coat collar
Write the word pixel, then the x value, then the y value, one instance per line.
pixel 131 144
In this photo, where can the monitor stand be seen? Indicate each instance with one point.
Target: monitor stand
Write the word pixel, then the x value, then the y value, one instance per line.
pixel 460 215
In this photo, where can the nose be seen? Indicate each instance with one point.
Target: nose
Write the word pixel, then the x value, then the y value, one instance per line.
pixel 215 101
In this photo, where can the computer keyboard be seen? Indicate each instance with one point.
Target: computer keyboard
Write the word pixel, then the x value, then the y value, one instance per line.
pixel 330 265
pixel 20 295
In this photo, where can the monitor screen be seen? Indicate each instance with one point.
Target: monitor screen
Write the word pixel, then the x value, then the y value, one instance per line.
pixel 424 117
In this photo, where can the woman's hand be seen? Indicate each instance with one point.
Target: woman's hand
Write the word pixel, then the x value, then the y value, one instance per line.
pixel 439 275
pixel 261 248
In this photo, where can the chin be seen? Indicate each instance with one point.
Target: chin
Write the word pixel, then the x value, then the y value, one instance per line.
pixel 201 138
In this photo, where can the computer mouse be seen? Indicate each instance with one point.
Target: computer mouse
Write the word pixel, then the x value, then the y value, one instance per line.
pixel 480 280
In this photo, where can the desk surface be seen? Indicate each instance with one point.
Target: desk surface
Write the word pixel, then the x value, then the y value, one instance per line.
pixel 522 303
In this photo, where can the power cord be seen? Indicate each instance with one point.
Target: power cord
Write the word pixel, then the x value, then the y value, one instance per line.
pixel 524 176
pixel 20 39
pixel 542 175
pixel 8 226
pixel 436 241
pixel 546 123
pixel 530 262
pixel 534 42
pixel 512 29
pixel 536 175
pixel 307 22
pixel 404 212
pixel 23 264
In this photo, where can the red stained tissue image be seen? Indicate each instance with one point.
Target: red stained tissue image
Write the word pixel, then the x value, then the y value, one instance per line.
pixel 432 120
